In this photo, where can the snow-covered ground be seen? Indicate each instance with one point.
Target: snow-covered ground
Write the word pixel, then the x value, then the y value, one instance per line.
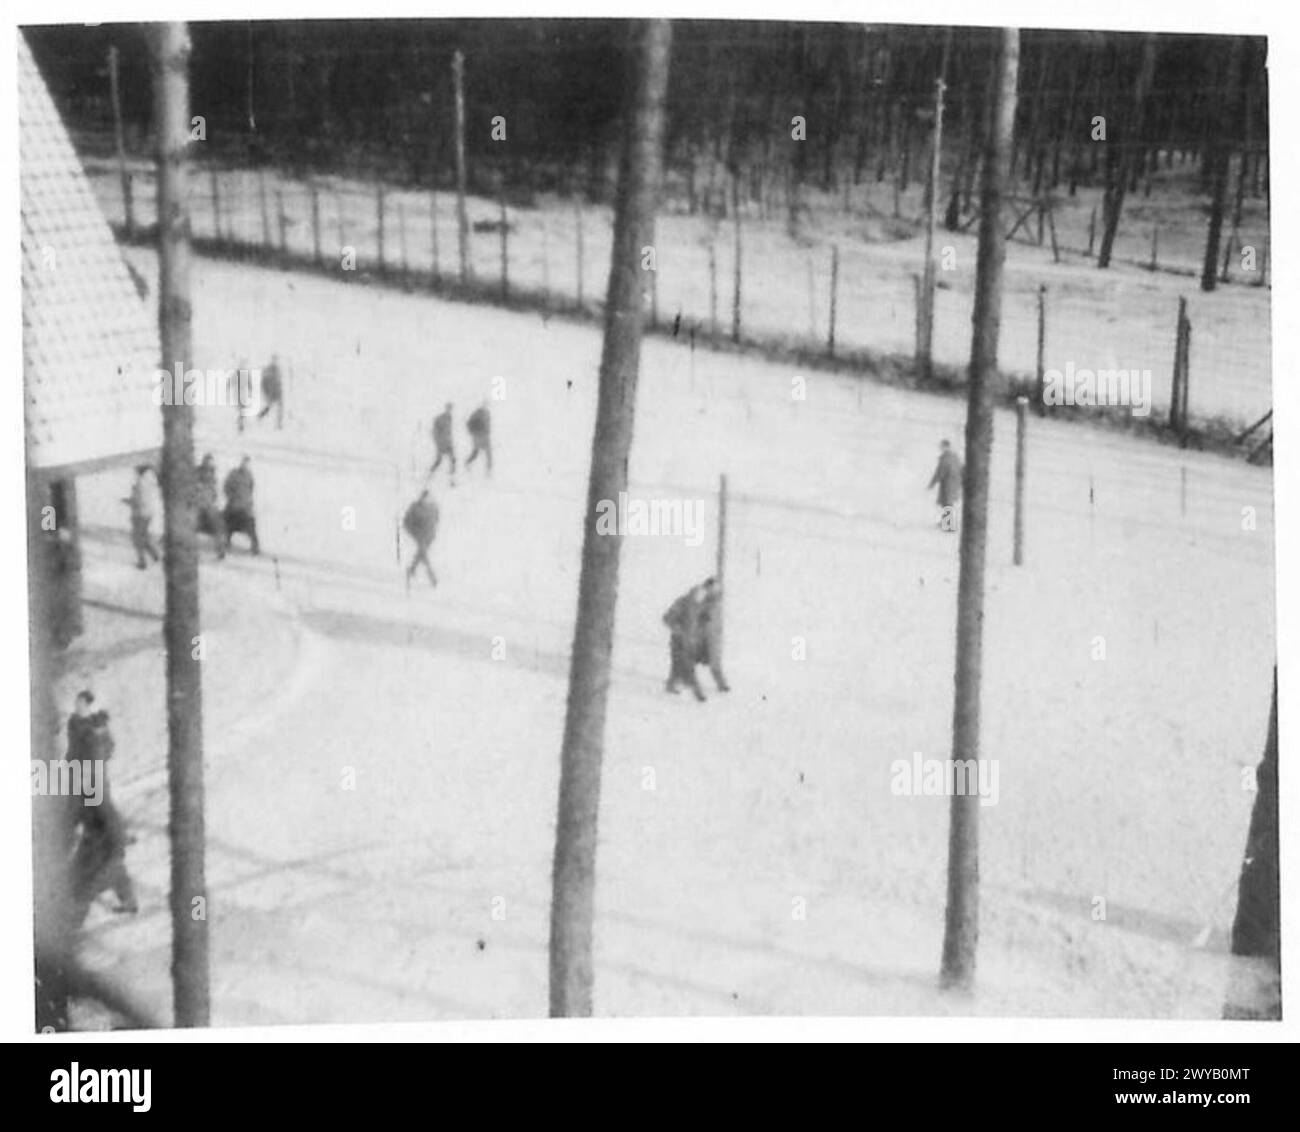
pixel 753 858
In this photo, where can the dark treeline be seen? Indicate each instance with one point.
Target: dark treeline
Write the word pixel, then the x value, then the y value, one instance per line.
pixel 375 97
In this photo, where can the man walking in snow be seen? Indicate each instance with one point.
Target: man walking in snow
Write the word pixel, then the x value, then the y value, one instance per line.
pixel 421 523
pixel 273 392
pixel 947 476
pixel 443 444
pixel 143 502
pixel 480 433
pixel 239 515
pixel 99 862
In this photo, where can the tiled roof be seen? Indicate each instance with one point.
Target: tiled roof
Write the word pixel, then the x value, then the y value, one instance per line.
pixel 90 343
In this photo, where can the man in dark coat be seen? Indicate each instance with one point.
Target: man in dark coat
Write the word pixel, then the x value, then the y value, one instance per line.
pixel 421 523
pixel 273 392
pixel 99 863
pixel 239 514
pixel 947 476
pixel 443 443
pixel 480 433
pixel 209 519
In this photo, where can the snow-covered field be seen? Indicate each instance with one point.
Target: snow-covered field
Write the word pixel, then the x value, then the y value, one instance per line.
pixel 753 858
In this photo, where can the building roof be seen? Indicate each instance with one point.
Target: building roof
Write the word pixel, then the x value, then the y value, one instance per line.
pixel 90 342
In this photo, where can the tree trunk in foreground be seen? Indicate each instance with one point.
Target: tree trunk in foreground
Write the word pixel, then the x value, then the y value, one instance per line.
pixel 181 630
pixel 961 926
pixel 574 871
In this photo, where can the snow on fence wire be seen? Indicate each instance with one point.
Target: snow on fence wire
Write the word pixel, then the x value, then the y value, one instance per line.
pixel 841 298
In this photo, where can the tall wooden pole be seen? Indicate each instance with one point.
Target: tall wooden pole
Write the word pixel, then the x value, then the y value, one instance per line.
pixel 961 926
pixel 574 870
pixel 181 624
pixel 119 141
pixel 462 217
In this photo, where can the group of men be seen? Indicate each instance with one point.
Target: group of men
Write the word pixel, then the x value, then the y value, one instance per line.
pixel 237 517
pixel 421 519
pixel 479 427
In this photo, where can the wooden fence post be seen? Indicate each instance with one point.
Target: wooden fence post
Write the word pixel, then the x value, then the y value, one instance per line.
pixel 835 285
pixel 505 250
pixel 315 222
pixel 735 299
pixel 433 233
pixel 577 219
pixel 1042 349
pixel 1018 551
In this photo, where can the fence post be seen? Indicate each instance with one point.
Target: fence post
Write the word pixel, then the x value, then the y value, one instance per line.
pixel 266 212
pixel 1042 349
pixel 1092 229
pixel 713 289
pixel 284 224
pixel 835 286
pixel 433 233
pixel 546 263
pixel 735 300
pixel 315 222
pixel 505 250
pixel 1180 365
pixel 379 224
pixel 577 219
pixel 401 240
pixel 1018 552
pixel 812 298
pixel 1155 244
pixel 216 204
pixel 654 292
pixel 918 329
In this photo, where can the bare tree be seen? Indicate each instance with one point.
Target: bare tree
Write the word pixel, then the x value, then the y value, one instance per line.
pixel 574 871
pixel 1119 169
pixel 961 928
pixel 1218 157
pixel 188 897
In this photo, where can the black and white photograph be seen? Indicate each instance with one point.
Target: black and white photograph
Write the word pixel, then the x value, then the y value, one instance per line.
pixel 552 517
